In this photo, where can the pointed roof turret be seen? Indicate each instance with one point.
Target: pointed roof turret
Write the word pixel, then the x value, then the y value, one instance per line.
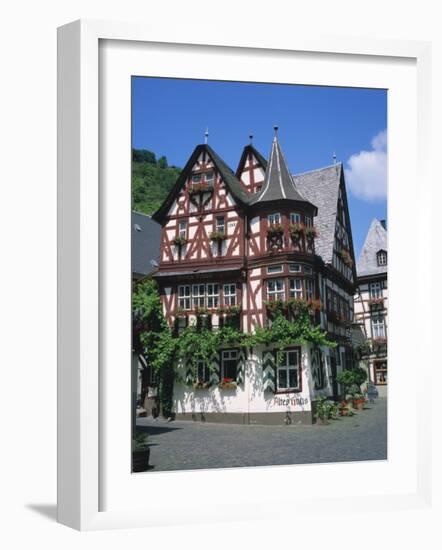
pixel 278 182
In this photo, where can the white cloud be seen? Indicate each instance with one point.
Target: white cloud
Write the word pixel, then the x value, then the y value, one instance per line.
pixel 366 173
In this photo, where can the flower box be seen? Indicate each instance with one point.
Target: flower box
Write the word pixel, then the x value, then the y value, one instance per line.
pixel 297 230
pixel 376 302
pixel 200 188
pixel 201 385
pixel 346 257
pixel 228 384
pixel 217 236
pixel 275 229
pixel 311 232
pixel 179 241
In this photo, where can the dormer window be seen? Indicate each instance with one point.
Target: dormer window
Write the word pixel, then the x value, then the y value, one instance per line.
pixel 382 257
pixel 274 219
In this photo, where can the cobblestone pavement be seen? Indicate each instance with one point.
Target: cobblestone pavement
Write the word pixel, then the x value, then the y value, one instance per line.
pixel 187 445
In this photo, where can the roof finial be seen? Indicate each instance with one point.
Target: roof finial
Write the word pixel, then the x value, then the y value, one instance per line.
pixel 251 138
pixel 206 136
pixel 276 128
pixel 334 158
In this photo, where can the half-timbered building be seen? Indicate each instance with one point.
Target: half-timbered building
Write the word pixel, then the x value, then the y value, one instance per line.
pixel 233 242
pixel 371 303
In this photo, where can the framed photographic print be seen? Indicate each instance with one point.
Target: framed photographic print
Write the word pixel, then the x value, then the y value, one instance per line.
pixel 231 276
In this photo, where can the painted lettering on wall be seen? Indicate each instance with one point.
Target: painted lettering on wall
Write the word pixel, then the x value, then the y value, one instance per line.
pixel 290 401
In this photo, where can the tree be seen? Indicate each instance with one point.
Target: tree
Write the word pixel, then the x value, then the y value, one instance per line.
pixel 162 162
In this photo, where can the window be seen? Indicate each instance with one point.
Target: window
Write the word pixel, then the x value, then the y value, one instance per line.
pixel 296 288
pixel 274 219
pixel 380 372
pixel 295 268
pixel 287 377
pixel 184 297
pixel 274 269
pixel 198 296
pixel 275 290
pixel 308 270
pixel 295 217
pixel 230 295
pixel 196 178
pixel 309 289
pixel 202 372
pixel 382 257
pixel 212 295
pixel 220 225
pixel 308 222
pixel 229 361
pixel 208 176
pixel 378 326
pixel 375 290
pixel 182 229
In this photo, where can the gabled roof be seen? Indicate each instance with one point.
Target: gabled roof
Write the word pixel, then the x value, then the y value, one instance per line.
pixel 249 149
pixel 278 182
pixel 234 185
pixel 376 239
pixel 322 188
pixel 146 236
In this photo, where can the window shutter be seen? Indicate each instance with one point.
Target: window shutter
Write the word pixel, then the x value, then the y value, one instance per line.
pixel 214 370
pixel 241 367
pixel 269 370
pixel 189 373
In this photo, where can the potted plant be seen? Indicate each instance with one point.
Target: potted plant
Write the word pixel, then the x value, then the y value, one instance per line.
pixel 345 409
pixel 179 241
pixel 140 452
pixel 346 257
pixel 296 230
pixel 217 236
pixel 200 385
pixel 323 410
pixel 311 232
pixel 275 229
pixel 228 384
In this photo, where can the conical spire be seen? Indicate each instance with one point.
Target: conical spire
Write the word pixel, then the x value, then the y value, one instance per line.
pixel 278 182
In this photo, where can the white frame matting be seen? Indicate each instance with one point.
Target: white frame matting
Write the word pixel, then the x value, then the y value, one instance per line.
pixel 95 487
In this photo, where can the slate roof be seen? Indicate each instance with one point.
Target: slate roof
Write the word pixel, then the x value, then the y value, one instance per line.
pixel 321 187
pixel 376 239
pixel 278 182
pixel 146 236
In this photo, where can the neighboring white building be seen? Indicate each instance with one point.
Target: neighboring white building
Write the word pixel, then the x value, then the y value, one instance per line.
pixel 371 303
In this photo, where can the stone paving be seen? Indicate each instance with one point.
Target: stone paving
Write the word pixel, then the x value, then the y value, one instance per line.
pixel 187 445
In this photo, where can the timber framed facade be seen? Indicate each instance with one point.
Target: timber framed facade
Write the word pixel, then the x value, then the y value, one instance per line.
pixel 231 244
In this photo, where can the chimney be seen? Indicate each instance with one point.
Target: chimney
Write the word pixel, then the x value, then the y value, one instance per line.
pixel 384 224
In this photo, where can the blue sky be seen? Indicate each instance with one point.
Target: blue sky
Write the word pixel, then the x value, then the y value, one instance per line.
pixel 169 117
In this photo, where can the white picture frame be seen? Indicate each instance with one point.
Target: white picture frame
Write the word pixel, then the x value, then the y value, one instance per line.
pixel 83 217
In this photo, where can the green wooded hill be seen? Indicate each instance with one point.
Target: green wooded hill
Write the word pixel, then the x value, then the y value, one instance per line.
pixel 152 179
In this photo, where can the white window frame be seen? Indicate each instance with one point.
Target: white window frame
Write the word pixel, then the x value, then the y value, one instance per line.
pixel 378 326
pixel 293 270
pixel 308 221
pixel 212 295
pixel 296 291
pixel 274 294
pixel 198 298
pixel 286 366
pixel 229 355
pixel 376 290
pixel 196 178
pixel 184 299
pixel 209 180
pixel 274 219
pixel 381 257
pixel 220 227
pixel 274 269
pixel 229 297
pixel 182 229
pixel 295 217
pixel 201 364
